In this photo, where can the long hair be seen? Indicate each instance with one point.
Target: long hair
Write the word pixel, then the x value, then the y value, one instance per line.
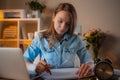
pixel 50 33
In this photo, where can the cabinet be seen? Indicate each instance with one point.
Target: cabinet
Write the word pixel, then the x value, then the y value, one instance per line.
pixel 14 32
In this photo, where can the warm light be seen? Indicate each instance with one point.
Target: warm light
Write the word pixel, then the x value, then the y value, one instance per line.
pixel 1 14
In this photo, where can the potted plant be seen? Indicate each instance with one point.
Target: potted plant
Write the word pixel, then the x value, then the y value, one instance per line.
pixel 36 6
pixel 94 39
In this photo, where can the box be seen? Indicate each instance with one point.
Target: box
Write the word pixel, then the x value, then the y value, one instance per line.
pixel 14 13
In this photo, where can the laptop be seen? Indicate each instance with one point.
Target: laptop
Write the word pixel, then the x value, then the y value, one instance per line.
pixel 12 65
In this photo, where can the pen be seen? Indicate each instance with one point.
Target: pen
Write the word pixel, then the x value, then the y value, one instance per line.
pixel 49 69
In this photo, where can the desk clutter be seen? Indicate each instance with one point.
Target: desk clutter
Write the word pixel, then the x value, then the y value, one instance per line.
pixel 103 71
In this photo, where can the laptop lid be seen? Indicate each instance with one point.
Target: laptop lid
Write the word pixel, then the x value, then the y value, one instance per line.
pixel 12 65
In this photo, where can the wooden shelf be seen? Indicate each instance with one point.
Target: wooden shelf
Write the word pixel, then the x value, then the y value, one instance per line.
pixel 23 27
pixel 8 39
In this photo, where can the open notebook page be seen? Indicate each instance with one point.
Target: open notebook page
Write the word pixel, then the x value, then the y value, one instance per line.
pixel 63 73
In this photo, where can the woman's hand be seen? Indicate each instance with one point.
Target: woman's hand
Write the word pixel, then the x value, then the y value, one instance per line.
pixel 85 69
pixel 42 66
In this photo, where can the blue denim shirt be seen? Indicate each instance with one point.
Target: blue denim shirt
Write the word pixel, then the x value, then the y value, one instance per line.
pixel 62 54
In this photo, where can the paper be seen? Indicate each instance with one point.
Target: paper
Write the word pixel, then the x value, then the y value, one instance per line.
pixel 63 73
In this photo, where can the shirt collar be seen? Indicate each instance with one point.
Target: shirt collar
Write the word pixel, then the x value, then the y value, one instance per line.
pixel 66 36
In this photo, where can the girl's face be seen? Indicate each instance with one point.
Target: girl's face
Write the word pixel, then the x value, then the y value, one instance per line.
pixel 61 22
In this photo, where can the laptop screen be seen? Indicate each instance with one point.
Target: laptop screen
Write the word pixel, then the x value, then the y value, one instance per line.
pixel 12 65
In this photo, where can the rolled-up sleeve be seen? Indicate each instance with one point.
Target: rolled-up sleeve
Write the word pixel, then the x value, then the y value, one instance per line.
pixel 33 49
pixel 82 52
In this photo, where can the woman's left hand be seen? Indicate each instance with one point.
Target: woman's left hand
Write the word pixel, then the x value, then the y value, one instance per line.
pixel 85 69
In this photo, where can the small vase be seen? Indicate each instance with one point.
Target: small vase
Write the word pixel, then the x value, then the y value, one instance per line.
pixel 95 52
pixel 36 14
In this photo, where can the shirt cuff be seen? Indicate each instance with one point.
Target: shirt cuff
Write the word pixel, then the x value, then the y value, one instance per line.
pixel 31 69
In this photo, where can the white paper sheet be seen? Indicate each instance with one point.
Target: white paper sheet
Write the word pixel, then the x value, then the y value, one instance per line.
pixel 63 73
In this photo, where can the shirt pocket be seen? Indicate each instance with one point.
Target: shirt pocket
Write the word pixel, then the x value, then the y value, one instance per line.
pixel 69 57
pixel 69 50
pixel 49 55
pixel 69 53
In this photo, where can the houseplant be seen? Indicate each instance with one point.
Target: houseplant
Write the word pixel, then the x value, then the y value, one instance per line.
pixel 36 7
pixel 94 39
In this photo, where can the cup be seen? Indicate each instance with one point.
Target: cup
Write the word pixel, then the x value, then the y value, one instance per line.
pixel 29 15
pixel 30 36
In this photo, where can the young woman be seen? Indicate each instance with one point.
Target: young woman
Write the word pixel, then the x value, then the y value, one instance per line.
pixel 59 45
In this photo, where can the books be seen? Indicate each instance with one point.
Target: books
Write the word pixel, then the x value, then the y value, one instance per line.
pixel 10 32
pixel 23 32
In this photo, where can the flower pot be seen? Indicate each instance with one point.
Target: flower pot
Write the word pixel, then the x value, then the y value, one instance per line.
pixel 36 14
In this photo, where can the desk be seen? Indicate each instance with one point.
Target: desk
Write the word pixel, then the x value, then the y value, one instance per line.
pixel 92 77
pixel 85 78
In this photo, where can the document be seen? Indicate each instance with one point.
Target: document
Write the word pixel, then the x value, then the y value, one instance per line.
pixel 62 73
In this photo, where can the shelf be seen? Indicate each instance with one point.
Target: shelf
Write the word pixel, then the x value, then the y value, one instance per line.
pixel 8 39
pixel 8 19
pixel 14 32
pixel 23 19
pixel 9 44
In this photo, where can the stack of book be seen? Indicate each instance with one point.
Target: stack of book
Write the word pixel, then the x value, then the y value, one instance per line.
pixel 10 32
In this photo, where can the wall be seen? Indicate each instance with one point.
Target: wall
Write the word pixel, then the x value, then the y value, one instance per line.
pixel 103 14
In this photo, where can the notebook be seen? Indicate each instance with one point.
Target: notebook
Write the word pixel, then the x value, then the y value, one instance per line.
pixel 60 74
pixel 12 65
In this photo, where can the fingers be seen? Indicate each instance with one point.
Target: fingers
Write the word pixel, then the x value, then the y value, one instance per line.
pixel 47 68
pixel 84 70
pixel 42 66
pixel 39 68
pixel 43 63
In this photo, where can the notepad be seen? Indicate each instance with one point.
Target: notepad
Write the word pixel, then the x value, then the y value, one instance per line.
pixel 63 73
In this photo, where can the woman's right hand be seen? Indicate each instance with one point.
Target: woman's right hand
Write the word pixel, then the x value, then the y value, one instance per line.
pixel 42 66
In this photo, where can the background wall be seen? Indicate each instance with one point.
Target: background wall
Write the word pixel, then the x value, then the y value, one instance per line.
pixel 103 14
